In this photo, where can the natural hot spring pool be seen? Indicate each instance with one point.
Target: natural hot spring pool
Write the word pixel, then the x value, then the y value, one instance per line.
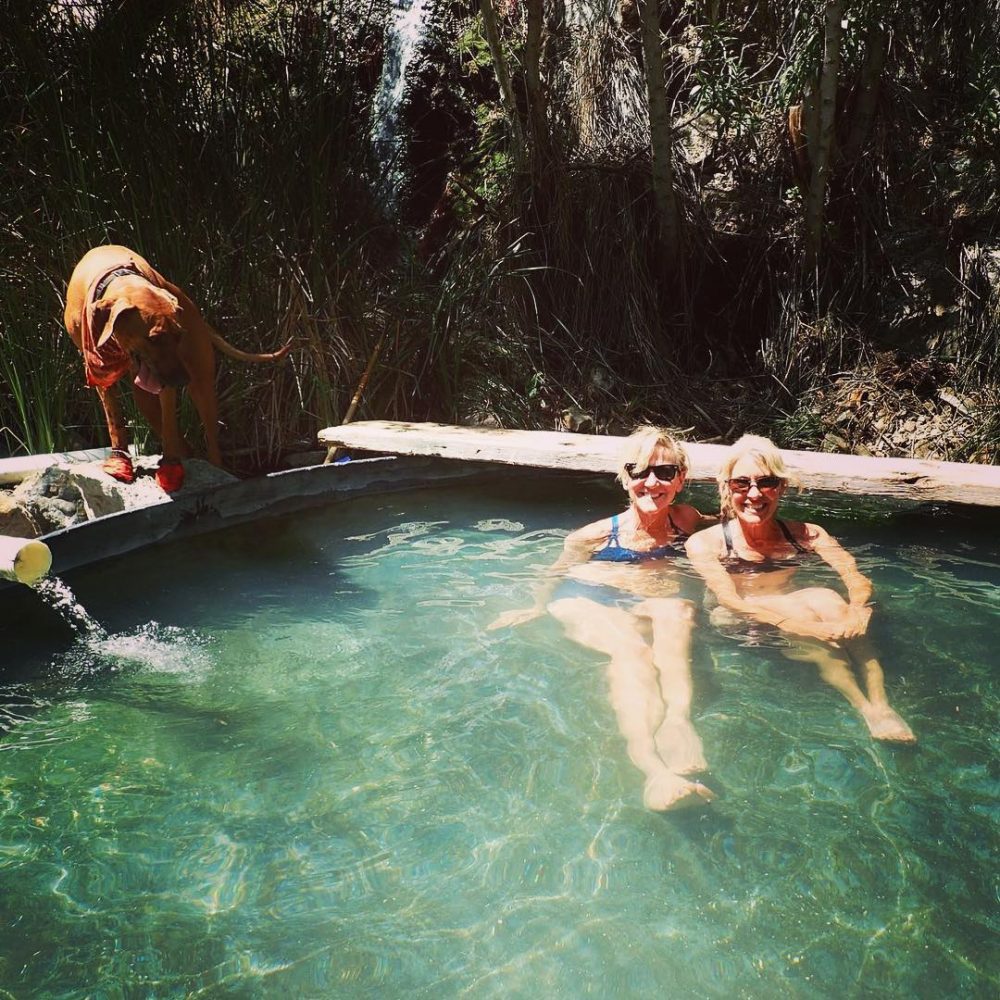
pixel 318 776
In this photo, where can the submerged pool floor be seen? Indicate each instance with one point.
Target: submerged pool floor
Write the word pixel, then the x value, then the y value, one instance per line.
pixel 297 765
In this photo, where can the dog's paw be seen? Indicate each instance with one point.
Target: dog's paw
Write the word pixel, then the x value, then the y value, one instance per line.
pixel 170 475
pixel 119 466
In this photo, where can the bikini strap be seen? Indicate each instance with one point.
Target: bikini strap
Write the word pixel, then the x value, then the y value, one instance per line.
pixel 728 536
pixel 613 537
pixel 788 535
pixel 681 535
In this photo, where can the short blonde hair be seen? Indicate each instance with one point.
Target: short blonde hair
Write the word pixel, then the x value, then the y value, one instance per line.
pixel 641 444
pixel 764 451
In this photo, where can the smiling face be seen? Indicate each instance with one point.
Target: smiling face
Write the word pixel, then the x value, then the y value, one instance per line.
pixel 758 502
pixel 648 493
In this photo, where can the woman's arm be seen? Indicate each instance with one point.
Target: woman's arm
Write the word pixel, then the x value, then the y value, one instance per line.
pixel 578 548
pixel 705 551
pixel 859 587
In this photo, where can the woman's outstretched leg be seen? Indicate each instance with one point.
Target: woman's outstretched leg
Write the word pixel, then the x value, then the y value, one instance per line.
pixel 835 662
pixel 677 741
pixel 881 718
pixel 634 695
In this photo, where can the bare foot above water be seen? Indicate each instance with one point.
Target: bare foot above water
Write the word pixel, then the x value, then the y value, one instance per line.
pixel 666 791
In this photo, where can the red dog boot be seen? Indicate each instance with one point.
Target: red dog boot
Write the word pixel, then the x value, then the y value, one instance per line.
pixel 170 475
pixel 118 465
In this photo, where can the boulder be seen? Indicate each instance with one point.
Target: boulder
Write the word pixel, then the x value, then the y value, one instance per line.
pixel 66 494
pixel 15 521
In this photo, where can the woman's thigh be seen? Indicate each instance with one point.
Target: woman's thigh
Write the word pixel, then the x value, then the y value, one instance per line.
pixel 610 630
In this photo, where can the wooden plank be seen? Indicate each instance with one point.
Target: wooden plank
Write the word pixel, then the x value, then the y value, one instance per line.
pixel 903 478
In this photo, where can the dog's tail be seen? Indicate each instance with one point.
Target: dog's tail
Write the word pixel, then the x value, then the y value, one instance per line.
pixel 234 352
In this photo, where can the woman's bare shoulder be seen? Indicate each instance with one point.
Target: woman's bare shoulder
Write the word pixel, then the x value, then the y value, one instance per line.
pixel 590 534
pixel 707 541
pixel 811 534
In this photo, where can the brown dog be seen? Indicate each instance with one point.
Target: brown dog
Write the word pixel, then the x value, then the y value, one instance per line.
pixel 127 318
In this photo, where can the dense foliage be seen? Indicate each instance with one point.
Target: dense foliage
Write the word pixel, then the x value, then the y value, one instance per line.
pixel 721 216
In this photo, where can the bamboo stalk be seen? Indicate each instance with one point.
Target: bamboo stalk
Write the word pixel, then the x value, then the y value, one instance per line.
pixel 332 452
pixel 822 155
pixel 660 133
pixel 492 29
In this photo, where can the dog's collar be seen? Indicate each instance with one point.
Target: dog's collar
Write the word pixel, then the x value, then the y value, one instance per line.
pixel 102 286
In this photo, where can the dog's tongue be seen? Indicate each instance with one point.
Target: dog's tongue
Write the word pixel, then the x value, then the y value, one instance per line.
pixel 147 379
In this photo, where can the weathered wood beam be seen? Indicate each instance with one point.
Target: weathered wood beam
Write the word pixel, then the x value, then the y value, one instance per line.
pixel 902 478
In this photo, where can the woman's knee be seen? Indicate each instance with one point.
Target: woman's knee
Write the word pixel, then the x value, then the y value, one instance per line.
pixel 567 607
pixel 826 603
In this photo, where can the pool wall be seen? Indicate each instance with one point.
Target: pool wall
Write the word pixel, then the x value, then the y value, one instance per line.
pixel 191 513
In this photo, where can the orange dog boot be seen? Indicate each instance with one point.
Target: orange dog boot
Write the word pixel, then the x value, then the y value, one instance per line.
pixel 170 475
pixel 118 465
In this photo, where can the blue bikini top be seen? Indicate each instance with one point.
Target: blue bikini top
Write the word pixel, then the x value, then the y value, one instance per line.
pixel 613 551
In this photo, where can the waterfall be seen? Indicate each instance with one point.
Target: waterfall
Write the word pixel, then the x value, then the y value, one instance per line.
pixel 406 30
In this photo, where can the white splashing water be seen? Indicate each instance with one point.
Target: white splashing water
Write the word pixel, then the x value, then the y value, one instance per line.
pixel 406 29
pixel 152 649
pixel 63 601
pixel 161 649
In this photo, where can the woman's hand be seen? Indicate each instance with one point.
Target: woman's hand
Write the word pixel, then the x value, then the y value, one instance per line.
pixel 856 620
pixel 853 624
pixel 517 617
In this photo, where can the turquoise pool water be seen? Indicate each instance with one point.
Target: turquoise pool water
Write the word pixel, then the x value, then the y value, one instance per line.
pixel 296 765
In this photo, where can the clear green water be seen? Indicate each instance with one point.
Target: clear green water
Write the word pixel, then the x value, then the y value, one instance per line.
pixel 319 776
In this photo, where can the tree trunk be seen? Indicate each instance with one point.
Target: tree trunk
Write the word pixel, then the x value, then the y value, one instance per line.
pixel 820 152
pixel 492 30
pixel 660 134
pixel 868 90
pixel 537 117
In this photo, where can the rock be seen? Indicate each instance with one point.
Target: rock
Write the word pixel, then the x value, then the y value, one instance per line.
pixel 15 521
pixel 952 400
pixel 67 494
pixel 482 418
pixel 62 495
pixel 575 419
pixel 199 475
pixel 66 507
pixel 834 442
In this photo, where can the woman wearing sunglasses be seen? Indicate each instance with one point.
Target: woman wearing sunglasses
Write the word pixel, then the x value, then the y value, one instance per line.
pixel 750 560
pixel 614 592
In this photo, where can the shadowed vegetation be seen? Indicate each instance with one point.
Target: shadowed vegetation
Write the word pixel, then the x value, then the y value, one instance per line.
pixel 820 261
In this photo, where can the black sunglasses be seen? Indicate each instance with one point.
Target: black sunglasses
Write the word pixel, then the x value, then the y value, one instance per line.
pixel 743 483
pixel 665 473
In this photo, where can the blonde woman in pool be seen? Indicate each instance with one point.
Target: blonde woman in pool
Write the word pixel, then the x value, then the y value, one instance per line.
pixel 749 561
pixel 614 591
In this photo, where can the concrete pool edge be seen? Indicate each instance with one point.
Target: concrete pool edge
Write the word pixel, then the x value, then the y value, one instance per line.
pixel 193 513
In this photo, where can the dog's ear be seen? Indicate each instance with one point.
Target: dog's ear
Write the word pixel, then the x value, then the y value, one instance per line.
pixel 107 312
pixel 171 300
